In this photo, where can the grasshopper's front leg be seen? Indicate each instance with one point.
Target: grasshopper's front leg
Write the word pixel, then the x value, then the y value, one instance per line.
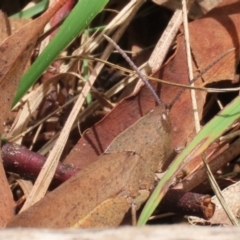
pixel 108 214
pixel 111 212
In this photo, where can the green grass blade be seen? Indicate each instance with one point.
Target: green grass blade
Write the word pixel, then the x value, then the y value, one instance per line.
pixel 28 13
pixel 210 132
pixel 78 19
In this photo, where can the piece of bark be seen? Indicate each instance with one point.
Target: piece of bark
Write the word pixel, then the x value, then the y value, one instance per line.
pixel 187 203
pixel 231 195
pixel 199 175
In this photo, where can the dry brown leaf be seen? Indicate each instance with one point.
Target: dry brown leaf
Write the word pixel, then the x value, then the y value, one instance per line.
pixel 6 202
pixel 198 7
pixel 15 52
pixel 220 34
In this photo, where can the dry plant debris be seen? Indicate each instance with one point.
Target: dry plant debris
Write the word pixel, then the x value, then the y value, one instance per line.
pixel 114 159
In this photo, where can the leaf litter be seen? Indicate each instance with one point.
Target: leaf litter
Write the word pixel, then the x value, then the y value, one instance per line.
pixel 97 139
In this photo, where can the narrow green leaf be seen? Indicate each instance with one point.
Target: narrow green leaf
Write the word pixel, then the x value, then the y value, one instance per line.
pixel 210 132
pixel 79 18
pixel 30 12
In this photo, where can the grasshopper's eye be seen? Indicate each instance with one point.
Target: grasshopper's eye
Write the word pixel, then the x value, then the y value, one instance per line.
pixel 164 116
pixel 166 122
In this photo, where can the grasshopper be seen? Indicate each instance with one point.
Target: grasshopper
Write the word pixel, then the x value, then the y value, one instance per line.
pixel 101 194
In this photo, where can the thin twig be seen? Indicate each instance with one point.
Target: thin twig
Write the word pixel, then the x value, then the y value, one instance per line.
pixel 190 68
pixel 162 47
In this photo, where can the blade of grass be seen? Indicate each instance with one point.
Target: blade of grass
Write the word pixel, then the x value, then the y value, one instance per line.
pixel 72 27
pixel 28 13
pixel 210 132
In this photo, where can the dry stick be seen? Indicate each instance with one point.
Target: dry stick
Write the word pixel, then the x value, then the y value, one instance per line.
pixel 187 203
pixel 145 70
pixel 161 49
pixel 199 175
pixel 190 68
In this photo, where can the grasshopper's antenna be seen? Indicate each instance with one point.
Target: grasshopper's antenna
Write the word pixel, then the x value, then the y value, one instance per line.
pixel 134 67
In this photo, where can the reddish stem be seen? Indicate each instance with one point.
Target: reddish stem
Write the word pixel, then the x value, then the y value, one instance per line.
pixel 18 159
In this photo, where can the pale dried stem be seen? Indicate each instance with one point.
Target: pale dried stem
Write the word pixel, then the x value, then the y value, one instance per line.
pixel 190 68
pixel 162 47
